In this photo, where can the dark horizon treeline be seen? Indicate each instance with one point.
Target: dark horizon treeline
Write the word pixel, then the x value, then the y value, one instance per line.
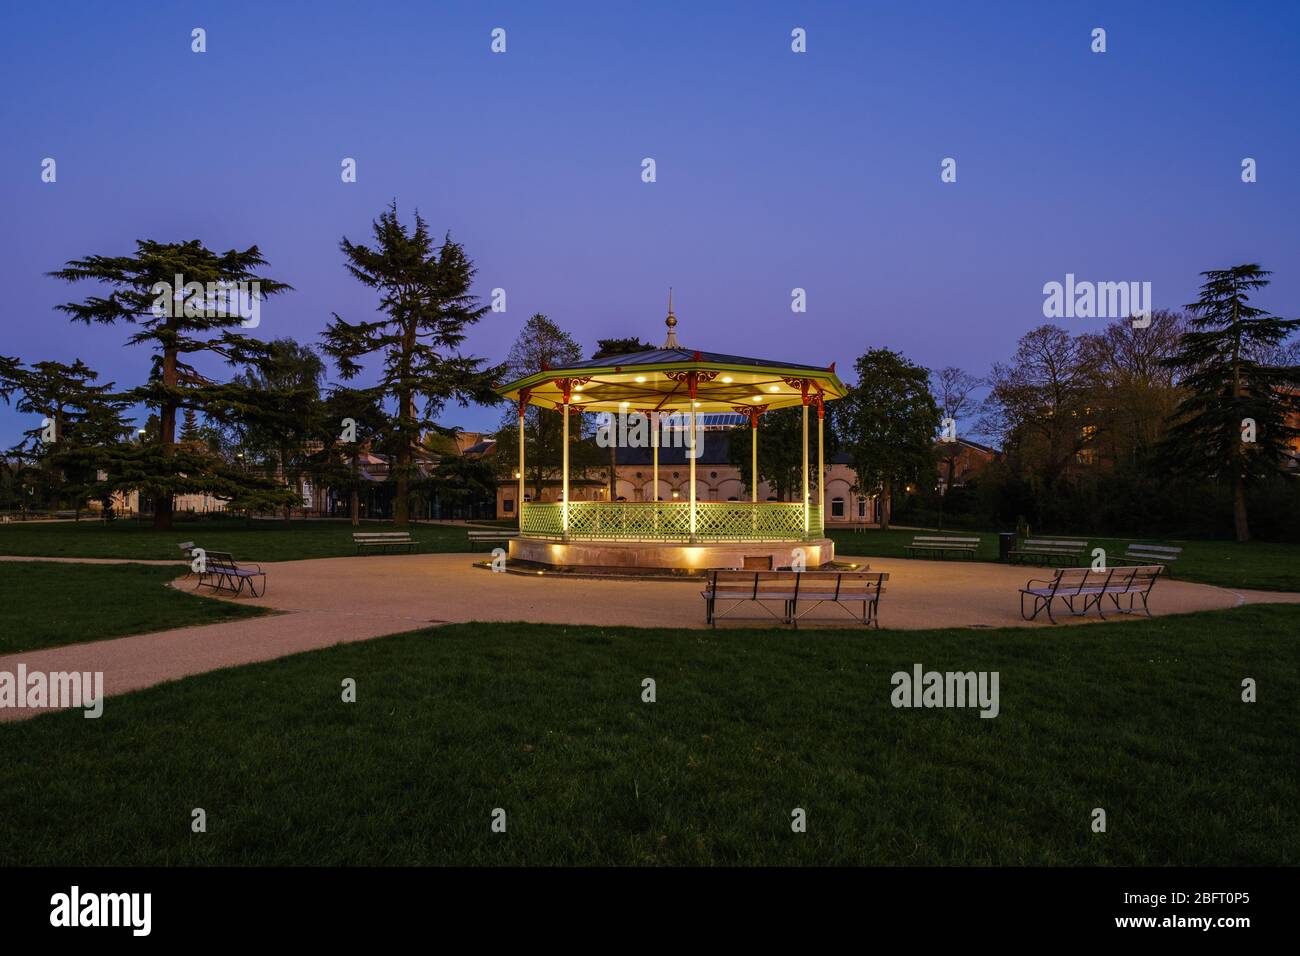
pixel 1126 430
pixel 1140 430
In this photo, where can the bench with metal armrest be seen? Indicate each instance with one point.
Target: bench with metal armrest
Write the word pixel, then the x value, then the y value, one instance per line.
pixel 1092 587
pixel 220 571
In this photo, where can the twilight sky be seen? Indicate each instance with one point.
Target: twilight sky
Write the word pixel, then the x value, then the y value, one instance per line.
pixel 775 170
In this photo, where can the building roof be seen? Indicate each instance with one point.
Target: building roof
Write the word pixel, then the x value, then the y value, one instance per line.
pixel 676 379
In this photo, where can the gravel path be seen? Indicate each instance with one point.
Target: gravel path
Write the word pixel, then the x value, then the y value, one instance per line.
pixel 331 601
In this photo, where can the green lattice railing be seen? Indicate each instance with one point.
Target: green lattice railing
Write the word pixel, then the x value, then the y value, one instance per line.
pixel 670 521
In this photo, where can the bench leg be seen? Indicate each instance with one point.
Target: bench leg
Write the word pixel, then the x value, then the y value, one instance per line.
pixel 1040 604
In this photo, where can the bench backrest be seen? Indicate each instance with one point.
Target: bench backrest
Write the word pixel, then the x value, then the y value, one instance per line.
pixel 1144 577
pixel 751 583
pixel 1079 580
pixel 381 536
pixel 756 584
pixel 841 583
pixel 1046 543
pixel 1153 551
pixel 925 539
pixel 219 561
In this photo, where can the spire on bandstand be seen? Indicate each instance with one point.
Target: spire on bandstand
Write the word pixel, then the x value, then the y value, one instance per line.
pixel 671 322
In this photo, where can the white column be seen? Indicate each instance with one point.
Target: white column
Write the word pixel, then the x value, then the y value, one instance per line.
pixel 564 490
pixel 654 443
pixel 821 471
pixel 520 502
pixel 753 468
pixel 805 468
pixel 693 457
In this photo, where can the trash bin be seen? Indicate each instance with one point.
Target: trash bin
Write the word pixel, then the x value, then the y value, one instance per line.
pixel 1006 543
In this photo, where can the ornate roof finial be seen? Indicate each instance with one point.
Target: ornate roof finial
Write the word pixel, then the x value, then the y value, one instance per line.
pixel 671 322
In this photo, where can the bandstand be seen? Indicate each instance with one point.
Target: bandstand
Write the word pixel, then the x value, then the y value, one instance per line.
pixel 675 384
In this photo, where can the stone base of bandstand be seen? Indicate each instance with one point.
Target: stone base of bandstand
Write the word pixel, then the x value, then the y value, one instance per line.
pixel 753 555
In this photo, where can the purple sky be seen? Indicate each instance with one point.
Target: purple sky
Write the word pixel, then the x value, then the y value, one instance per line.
pixel 775 170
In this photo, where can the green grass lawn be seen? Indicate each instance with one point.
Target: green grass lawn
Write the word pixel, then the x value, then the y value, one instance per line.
pixel 1269 566
pixel 45 604
pixel 246 540
pixel 1142 719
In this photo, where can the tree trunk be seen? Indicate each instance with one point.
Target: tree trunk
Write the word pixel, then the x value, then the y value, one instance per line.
pixel 355 495
pixel 401 511
pixel 947 490
pixel 886 503
pixel 1239 509
pixel 1239 482
pixel 162 499
pixel 405 413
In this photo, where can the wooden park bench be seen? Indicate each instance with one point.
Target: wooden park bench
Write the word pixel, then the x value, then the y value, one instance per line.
pixel 1152 554
pixel 1092 587
pixel 929 544
pixel 491 537
pixel 222 573
pixel 1047 551
pixel 729 590
pixel 842 589
pixel 383 541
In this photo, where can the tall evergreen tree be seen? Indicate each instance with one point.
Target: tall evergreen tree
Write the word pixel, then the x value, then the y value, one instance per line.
pixel 177 324
pixel 427 308
pixel 1222 364
pixel 353 422
pixel 82 430
pixel 279 434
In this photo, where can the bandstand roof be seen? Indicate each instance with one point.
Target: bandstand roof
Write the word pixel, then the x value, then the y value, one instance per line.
pixel 659 380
